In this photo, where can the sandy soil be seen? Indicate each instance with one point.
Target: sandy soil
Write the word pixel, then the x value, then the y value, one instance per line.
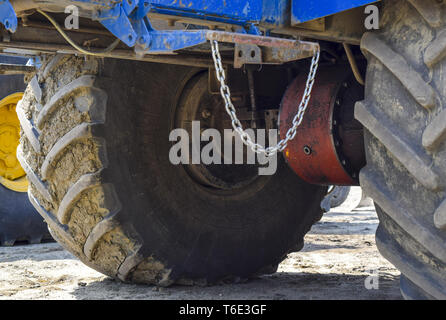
pixel 336 263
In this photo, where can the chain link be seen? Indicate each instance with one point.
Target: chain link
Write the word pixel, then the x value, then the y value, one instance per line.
pixel 230 109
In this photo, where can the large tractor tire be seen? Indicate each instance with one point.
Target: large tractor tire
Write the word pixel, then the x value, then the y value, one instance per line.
pixel 404 113
pixel 96 149
pixel 19 221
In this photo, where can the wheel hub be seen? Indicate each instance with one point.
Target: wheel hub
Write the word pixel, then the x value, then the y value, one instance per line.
pixel 12 176
pixel 329 145
pixel 197 104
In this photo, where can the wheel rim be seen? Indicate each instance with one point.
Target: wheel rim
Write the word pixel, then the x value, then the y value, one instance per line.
pixel 196 104
pixel 12 175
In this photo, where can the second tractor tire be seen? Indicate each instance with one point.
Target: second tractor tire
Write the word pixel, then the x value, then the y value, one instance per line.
pixel 404 113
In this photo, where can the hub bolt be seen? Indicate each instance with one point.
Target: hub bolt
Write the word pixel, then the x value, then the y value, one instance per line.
pixel 206 114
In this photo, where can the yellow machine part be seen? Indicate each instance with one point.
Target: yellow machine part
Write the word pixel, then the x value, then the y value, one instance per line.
pixel 12 175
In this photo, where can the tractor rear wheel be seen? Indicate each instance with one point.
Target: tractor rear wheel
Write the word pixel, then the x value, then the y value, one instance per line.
pixel 19 221
pixel 97 153
pixel 404 113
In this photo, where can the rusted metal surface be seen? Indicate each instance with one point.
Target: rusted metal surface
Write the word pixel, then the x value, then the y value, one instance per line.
pixel 252 49
pixel 328 148
pixel 281 55
pixel 247 54
pixel 231 37
pixel 252 54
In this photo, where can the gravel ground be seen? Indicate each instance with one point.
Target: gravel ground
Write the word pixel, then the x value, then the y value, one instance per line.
pixel 339 261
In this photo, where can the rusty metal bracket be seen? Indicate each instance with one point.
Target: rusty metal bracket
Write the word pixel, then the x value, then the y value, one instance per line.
pixel 243 38
pixel 247 54
pixel 252 54
pixel 283 55
pixel 254 49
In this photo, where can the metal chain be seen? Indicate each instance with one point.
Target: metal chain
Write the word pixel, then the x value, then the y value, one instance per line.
pixel 230 109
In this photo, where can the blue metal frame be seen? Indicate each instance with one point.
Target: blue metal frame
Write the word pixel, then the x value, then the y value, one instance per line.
pixel 7 16
pixel 127 20
pixel 307 10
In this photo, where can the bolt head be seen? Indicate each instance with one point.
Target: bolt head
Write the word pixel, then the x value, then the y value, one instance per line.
pixel 206 114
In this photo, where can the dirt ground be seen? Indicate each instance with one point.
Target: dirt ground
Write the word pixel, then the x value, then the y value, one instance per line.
pixel 339 261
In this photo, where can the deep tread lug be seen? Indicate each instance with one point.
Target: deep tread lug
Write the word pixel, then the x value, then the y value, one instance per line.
pixel 32 176
pixel 99 230
pixel 86 81
pixel 80 132
pixel 422 92
pixel 436 51
pixel 35 86
pixel 379 194
pixel 429 10
pixel 73 194
pixel 419 165
pixel 29 130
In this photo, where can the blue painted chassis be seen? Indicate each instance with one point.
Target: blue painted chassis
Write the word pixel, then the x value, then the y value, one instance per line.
pixel 127 19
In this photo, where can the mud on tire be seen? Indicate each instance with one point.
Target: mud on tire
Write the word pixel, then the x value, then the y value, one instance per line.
pixel 95 147
pixel 404 113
